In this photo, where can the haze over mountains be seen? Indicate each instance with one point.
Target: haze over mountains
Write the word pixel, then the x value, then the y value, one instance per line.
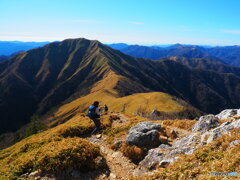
pixel 227 54
pixel 8 48
pixel 40 79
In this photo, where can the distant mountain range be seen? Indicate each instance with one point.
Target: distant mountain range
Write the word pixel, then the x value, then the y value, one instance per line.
pixel 40 79
pixel 8 48
pixel 227 54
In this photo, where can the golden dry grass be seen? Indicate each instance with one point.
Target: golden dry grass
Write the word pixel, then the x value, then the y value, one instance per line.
pixel 132 103
pixel 52 150
pixel 185 124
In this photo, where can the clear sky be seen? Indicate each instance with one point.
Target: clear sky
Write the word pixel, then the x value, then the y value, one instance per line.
pixel 213 22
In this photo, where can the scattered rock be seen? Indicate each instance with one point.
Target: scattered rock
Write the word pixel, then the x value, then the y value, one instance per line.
pixel 24 175
pixel 35 173
pixel 116 154
pixel 164 163
pixel 98 136
pixel 112 176
pixel 205 123
pixel 228 113
pixel 145 134
pixel 235 142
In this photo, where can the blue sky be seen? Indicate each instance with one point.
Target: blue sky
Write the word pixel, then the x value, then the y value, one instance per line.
pixel 213 22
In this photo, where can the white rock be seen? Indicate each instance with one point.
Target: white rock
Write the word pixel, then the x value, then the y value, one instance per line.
pixel 235 142
pixel 35 173
pixel 164 163
pixel 205 123
pixel 116 154
pixel 227 113
pixel 238 112
pixel 112 176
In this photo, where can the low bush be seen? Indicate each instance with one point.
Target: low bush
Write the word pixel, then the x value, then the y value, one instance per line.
pixel 134 153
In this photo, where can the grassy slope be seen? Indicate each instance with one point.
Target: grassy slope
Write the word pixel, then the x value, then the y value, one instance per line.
pixel 104 92
pixel 53 150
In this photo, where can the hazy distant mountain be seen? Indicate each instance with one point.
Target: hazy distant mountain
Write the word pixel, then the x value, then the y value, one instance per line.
pixel 118 46
pixel 156 53
pixel 205 64
pixel 229 54
pixel 42 78
pixel 9 47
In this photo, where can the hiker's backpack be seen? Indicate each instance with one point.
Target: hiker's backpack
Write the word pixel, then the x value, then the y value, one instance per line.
pixel 91 111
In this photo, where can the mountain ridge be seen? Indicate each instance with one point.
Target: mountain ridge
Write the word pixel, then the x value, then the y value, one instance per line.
pixel 60 72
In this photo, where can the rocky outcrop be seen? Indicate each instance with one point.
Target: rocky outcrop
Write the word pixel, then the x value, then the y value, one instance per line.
pixel 205 131
pixel 151 161
pixel 228 113
pixel 211 135
pixel 145 134
pixel 205 123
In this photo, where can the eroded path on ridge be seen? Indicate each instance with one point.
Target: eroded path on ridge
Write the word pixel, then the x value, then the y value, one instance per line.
pixel 120 167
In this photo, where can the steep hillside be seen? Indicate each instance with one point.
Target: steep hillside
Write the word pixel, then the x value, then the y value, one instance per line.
pixel 41 79
pixel 205 64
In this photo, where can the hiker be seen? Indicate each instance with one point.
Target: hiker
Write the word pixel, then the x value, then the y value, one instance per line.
pixel 106 108
pixel 94 114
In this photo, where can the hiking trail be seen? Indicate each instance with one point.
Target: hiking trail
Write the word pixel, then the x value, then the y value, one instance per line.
pixel 120 167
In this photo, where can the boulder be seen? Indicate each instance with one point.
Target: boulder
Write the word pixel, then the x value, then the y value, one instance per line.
pixel 145 134
pixel 227 113
pixel 205 123
pixel 151 161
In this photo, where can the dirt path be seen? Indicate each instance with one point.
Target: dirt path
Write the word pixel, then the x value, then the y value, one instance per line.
pixel 120 167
